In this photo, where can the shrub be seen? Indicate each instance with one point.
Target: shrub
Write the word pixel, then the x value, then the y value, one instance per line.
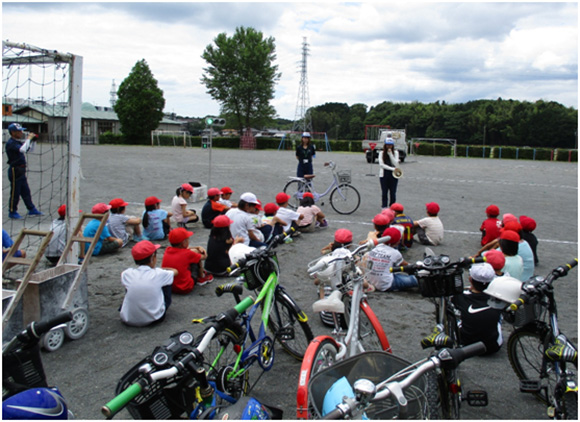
pixel 567 155
pixel 109 138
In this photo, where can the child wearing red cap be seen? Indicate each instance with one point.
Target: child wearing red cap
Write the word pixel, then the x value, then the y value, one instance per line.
pixel 186 260
pixel 509 244
pixel 429 230
pixel 381 222
pixel 58 240
pixel 528 226
pixel 219 243
pixel 342 239
pixel 107 243
pixel 181 215
pixel 406 223
pixel 226 195
pixel 156 221
pixel 313 216
pixel 212 207
pixel 287 215
pixel 148 289
pixel 124 227
pixel 491 225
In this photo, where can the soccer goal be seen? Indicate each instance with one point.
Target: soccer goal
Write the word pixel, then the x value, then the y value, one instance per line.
pixel 320 139
pixel 434 141
pixel 174 138
pixel 41 90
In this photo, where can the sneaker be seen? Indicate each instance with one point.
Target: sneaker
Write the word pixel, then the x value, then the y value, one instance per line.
pixel 322 225
pixel 34 211
pixel 138 238
pixel 206 279
pixel 288 240
pixel 14 215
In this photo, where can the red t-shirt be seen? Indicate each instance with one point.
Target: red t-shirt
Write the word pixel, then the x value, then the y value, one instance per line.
pixel 490 230
pixel 181 259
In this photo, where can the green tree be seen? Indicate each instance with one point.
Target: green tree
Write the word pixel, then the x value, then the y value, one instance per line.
pixel 139 104
pixel 241 76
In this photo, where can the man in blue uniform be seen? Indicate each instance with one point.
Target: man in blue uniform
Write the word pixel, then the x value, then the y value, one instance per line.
pixel 15 149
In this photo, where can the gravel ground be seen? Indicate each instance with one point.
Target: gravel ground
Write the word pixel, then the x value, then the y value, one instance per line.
pixel 88 369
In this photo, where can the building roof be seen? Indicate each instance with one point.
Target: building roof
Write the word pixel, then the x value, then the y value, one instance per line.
pixel 19 118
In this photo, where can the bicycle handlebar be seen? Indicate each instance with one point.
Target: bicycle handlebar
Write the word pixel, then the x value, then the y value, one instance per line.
pixel 419 265
pixel 121 400
pixel 259 252
pixel 33 331
pixel 541 285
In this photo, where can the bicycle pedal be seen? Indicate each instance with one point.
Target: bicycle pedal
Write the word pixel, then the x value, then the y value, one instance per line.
pixel 530 386
pixel 476 398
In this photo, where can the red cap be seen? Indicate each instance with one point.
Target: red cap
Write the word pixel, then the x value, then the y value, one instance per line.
pixel 394 233
pixel 397 207
pixel 492 210
pixel 508 217
pixel 118 203
pixel 271 208
pixel 528 223
pixel 100 208
pixel 222 221
pixel 227 189
pixel 152 200
pixel 509 235
pixel 308 195
pixel 62 210
pixel 178 235
pixel 282 198
pixel 259 205
pixel 143 249
pixel 389 213
pixel 432 208
pixel 343 236
pixel 214 192
pixel 513 226
pixel 187 187
pixel 495 258
pixel 381 219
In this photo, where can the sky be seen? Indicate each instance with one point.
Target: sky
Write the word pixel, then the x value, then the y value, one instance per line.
pixel 359 52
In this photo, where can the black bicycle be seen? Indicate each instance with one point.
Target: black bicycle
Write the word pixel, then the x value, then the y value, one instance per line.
pixel 440 278
pixel 539 353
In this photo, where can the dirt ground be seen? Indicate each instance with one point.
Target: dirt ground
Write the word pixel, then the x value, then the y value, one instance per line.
pixel 88 369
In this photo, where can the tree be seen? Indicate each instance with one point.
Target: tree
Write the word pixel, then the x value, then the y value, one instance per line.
pixel 241 76
pixel 139 104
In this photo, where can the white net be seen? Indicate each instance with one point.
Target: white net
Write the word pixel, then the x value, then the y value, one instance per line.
pixel 172 138
pixel 37 93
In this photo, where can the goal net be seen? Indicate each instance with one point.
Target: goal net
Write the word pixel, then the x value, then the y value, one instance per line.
pixel 434 142
pixel 41 90
pixel 173 138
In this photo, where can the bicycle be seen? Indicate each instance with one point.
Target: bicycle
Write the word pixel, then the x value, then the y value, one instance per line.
pixel 171 383
pixel 539 353
pixel 350 311
pixel 384 386
pixel 344 198
pixel 440 278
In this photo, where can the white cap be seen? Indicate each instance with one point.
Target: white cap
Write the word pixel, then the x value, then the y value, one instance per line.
pixel 249 197
pixel 306 135
pixel 483 273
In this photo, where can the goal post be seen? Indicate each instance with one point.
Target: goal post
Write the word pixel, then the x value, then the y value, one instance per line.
pixel 452 142
pixel 42 90
pixel 171 138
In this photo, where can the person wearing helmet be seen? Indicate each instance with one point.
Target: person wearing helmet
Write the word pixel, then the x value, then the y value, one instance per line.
pixel 388 161
pixel 304 154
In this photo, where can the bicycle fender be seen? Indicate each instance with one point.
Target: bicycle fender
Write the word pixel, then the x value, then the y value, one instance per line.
pixel 281 293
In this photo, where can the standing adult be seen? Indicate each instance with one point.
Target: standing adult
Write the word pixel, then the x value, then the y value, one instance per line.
pixel 15 149
pixel 304 154
pixel 388 161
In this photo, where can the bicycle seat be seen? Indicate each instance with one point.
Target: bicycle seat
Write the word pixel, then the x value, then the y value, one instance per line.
pixel 309 176
pixel 332 303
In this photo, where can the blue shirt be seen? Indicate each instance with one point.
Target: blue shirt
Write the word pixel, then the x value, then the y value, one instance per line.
pixel 154 230
pixel 525 251
pixel 7 243
pixel 15 157
pixel 90 231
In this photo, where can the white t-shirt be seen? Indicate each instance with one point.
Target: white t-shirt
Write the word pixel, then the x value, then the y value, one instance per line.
pixel 144 302
pixel 379 260
pixel 433 229
pixel 116 223
pixel 176 203
pixel 242 223
pixel 58 240
pixel 288 216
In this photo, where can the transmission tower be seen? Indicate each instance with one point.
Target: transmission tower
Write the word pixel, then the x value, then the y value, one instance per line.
pixel 302 118
pixel 113 93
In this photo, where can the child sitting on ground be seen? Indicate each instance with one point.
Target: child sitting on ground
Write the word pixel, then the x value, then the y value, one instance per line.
pixel 181 214
pixel 212 207
pixel 313 216
pixel 491 225
pixel 381 222
pixel 406 223
pixel 292 218
pixel 528 226
pixel 429 230
pixel 219 243
pixel 106 243
pixel 7 243
pixel 156 222
pixel 123 226
pixel 226 197
pixel 58 241
pixel 148 289
pixel 186 260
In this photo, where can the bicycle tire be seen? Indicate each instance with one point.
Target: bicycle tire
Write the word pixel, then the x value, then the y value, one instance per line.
pixel 433 396
pixel 345 199
pixel 290 326
pixel 321 354
pixel 451 398
pixel 569 402
pixel 292 188
pixel 525 349
pixel 370 332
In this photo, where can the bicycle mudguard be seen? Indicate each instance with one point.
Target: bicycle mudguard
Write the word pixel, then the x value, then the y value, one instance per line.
pixel 281 293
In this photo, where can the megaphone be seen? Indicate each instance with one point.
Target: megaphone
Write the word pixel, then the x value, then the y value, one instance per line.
pixel 397 173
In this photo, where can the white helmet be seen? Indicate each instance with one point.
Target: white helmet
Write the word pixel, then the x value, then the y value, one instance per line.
pixel 504 290
pixel 239 251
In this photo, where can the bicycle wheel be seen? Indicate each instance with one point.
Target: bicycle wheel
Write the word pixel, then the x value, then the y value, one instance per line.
pixel 525 350
pixel 345 199
pixel 370 331
pixel 218 360
pixel 293 188
pixel 450 384
pixel 570 405
pixel 289 325
pixel 321 354
pixel 433 410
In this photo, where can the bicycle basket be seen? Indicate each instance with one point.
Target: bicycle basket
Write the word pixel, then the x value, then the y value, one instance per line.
pixel 376 367
pixel 344 176
pixel 528 312
pixel 22 368
pixel 437 285
pixel 257 274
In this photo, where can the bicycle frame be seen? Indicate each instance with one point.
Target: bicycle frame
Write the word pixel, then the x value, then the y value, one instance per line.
pixel 310 186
